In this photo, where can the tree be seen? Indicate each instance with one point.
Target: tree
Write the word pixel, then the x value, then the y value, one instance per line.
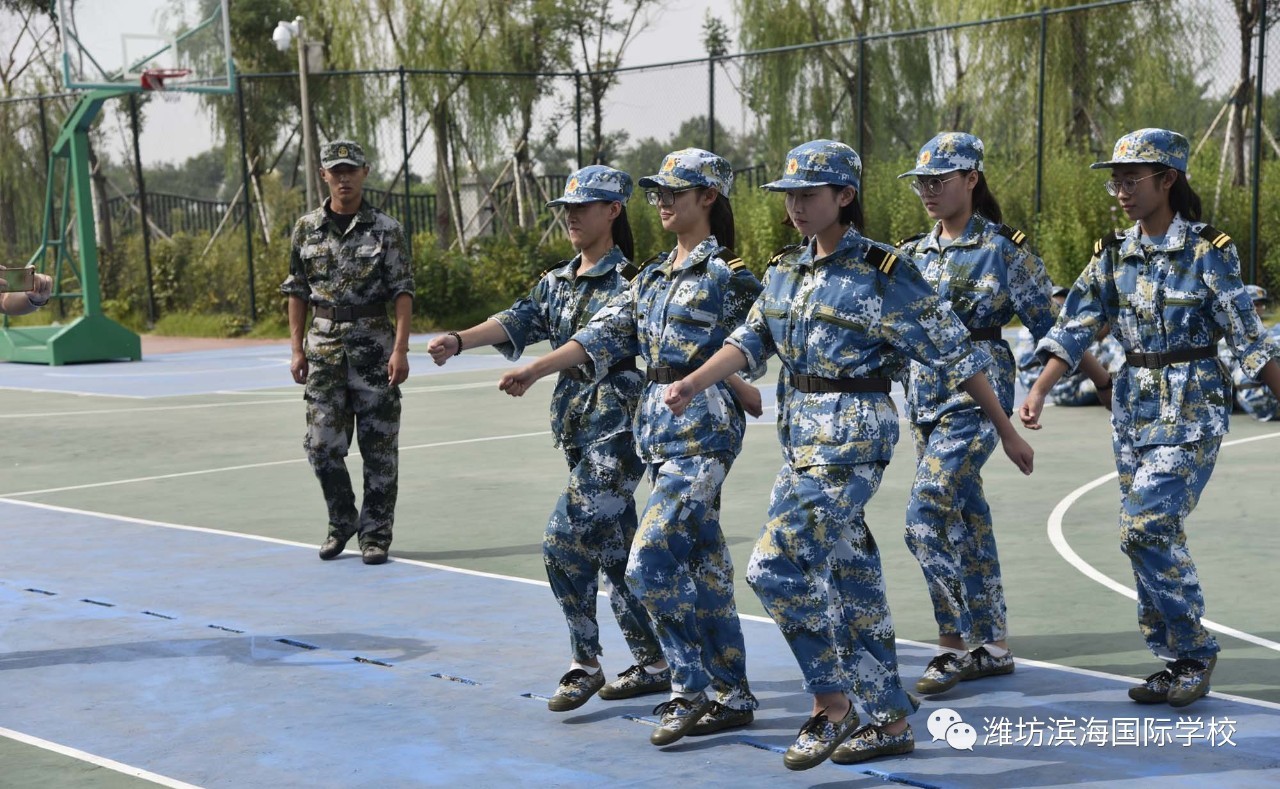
pixel 603 29
pixel 1248 17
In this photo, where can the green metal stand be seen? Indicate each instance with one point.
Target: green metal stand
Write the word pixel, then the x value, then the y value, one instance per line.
pixel 93 336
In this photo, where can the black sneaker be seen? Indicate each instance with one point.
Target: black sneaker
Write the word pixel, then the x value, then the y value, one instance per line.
pixel 1154 689
pixel 719 718
pixel 818 738
pixel 986 664
pixel 576 688
pixel 678 716
pixel 635 681
pixel 944 671
pixel 1190 680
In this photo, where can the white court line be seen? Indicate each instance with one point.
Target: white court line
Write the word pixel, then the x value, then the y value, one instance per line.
pixel 170 373
pixel 99 761
pixel 72 393
pixel 534 582
pixel 145 409
pixel 267 464
pixel 1059 542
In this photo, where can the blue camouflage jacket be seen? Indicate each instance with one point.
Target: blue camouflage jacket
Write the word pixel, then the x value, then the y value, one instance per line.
pixel 987 275
pixel 1254 398
pixel 848 315
pixel 584 408
pixel 677 317
pixel 1181 294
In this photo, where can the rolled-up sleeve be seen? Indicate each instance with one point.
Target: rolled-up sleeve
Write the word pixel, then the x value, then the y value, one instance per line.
pixel 525 322
pixel 1078 322
pixel 1233 311
pixel 296 283
pixel 398 267
pixel 610 335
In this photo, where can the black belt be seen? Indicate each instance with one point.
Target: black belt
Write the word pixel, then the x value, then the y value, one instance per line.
pixel 1166 358
pixel 811 384
pixel 351 312
pixel 991 333
pixel 665 375
pixel 576 374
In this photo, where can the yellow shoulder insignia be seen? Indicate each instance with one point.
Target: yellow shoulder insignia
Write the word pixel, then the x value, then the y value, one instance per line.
pixel 1214 236
pixel 882 259
pixel 910 239
pixel 786 251
pixel 1109 240
pixel 736 264
pixel 628 271
pixel 1016 236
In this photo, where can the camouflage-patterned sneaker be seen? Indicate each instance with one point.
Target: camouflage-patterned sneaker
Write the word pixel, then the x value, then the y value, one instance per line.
pixel 636 681
pixel 1190 680
pixel 1154 689
pixel 986 664
pixel 719 718
pixel 678 716
pixel 576 688
pixel 871 742
pixel 818 738
pixel 944 671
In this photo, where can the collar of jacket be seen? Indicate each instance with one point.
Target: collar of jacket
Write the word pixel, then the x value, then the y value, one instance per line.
pixel 974 230
pixel 851 243
pixel 699 255
pixel 607 263
pixel 1175 238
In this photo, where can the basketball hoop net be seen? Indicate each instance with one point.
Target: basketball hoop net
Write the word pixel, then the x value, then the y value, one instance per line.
pixel 152 79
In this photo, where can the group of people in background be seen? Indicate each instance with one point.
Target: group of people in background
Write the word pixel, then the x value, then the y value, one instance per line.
pixel 845 316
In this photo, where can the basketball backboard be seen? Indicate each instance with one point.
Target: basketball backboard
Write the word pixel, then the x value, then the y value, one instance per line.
pixel 113 44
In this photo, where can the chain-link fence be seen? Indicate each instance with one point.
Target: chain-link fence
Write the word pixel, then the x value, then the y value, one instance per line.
pixel 460 157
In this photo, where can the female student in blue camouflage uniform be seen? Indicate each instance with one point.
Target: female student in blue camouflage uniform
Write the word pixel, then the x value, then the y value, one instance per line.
pixel 837 311
pixel 679 309
pixel 594 520
pixel 1170 287
pixel 987 274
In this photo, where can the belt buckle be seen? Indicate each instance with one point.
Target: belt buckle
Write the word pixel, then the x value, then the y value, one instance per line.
pixel 1150 359
pixel 342 313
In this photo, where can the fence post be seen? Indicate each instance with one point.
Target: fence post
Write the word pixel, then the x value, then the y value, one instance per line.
pixel 407 219
pixel 142 206
pixel 862 70
pixel 1044 38
pixel 1259 74
pixel 245 191
pixel 577 110
pixel 711 103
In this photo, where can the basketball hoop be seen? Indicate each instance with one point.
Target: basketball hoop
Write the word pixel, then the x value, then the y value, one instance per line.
pixel 152 80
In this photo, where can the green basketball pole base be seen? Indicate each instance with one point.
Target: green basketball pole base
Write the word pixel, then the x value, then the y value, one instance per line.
pixel 89 338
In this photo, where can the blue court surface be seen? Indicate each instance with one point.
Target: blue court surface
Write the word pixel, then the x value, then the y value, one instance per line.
pixel 169 654
pixel 215 659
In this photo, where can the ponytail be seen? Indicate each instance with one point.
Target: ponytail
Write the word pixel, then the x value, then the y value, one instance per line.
pixel 622 237
pixel 984 202
pixel 1182 198
pixel 721 220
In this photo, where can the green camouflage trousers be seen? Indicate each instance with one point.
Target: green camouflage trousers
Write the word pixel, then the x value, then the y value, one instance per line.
pixel 347 391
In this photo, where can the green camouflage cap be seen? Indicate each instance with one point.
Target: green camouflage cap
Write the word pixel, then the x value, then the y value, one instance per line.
pixel 339 152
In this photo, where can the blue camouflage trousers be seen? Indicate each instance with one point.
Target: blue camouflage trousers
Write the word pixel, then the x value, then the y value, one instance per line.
pixel 347 391
pixel 817 570
pixel 1159 487
pixel 949 526
pixel 591 531
pixel 681 570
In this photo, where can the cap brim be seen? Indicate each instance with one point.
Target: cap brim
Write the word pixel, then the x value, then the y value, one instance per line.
pixel 929 171
pixel 663 179
pixel 787 184
pixel 579 200
pixel 334 163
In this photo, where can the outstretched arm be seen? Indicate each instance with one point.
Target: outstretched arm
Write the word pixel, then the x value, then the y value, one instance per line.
pixel 446 346
pixel 725 362
pixel 518 381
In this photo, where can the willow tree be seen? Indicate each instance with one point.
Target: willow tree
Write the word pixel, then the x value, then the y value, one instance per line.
pixel 822 91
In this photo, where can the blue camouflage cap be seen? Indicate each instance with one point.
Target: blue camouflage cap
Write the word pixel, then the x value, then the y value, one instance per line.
pixel 819 163
pixel 1256 293
pixel 1150 146
pixel 339 152
pixel 593 184
pixel 946 153
pixel 691 167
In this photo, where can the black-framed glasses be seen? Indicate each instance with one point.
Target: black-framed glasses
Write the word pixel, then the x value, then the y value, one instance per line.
pixel 664 197
pixel 1115 186
pixel 930 187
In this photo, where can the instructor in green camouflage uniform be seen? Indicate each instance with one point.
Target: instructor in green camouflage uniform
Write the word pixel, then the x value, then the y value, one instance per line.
pixel 346 263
